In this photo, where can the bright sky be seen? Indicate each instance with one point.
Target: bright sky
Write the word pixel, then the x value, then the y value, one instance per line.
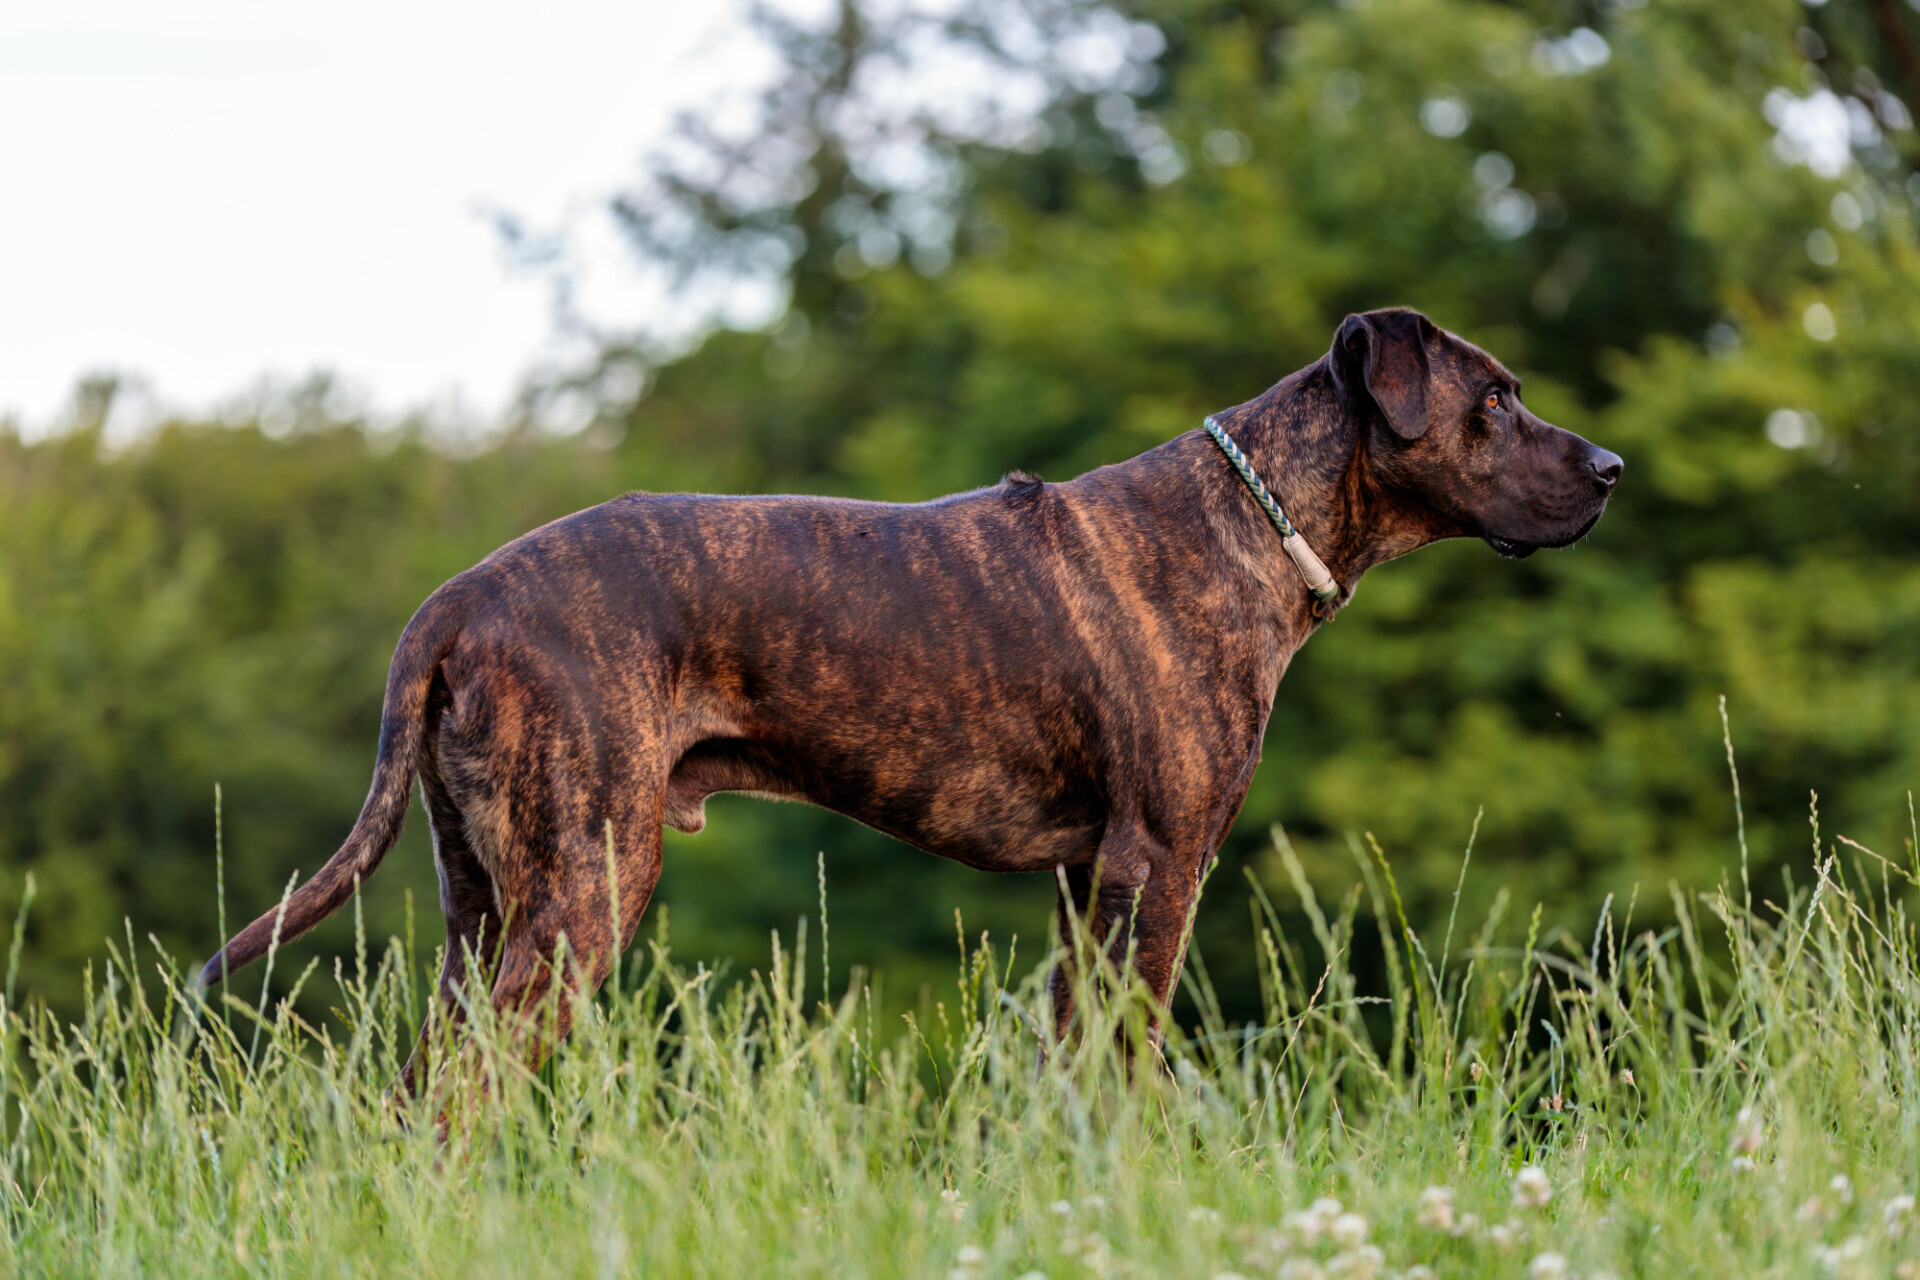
pixel 207 192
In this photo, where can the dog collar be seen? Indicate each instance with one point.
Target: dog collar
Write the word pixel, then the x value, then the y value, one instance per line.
pixel 1313 571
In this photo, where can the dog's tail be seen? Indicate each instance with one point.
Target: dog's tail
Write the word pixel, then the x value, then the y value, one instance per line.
pixel 426 641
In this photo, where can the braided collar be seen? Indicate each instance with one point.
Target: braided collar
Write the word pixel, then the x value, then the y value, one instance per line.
pixel 1312 571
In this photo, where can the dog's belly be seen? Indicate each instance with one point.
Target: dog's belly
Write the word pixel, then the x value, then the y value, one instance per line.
pixel 955 811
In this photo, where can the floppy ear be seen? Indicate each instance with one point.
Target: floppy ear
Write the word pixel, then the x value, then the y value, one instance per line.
pixel 1382 356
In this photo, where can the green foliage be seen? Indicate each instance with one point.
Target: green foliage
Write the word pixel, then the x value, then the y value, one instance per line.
pixel 216 603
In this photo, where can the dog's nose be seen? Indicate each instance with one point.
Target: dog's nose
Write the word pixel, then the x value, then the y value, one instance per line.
pixel 1606 466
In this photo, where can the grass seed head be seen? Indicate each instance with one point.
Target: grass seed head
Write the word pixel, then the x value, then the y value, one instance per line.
pixel 952 1205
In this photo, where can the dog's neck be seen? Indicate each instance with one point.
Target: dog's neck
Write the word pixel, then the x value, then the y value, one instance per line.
pixel 1312 452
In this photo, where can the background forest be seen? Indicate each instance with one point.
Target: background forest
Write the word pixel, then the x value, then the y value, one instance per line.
pixel 1690 224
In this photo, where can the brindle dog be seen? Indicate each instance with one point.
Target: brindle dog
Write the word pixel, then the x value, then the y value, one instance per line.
pixel 1031 677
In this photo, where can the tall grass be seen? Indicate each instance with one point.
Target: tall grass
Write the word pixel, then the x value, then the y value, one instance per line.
pixel 1730 1094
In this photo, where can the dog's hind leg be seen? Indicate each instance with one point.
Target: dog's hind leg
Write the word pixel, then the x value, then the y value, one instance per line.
pixel 474 928
pixel 561 939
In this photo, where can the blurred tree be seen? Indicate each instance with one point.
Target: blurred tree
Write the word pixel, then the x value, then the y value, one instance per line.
pixel 1050 235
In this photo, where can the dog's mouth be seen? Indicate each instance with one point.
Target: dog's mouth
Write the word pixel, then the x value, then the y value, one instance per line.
pixel 1515 549
pixel 1510 549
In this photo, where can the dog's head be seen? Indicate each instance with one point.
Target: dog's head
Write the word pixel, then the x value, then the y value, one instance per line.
pixel 1446 429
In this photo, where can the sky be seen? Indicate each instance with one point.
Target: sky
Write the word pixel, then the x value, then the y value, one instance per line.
pixel 206 194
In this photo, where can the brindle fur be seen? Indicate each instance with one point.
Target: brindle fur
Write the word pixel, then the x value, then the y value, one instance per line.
pixel 1031 677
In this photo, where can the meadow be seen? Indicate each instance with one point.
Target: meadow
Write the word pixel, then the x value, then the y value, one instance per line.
pixel 1731 1095
pixel 1635 1032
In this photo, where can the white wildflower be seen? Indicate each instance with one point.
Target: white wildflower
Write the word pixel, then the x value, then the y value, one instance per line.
pixel 1833 1259
pixel 1200 1213
pixel 1095 1203
pixel 1547 1266
pixel 1812 1209
pixel 1357 1264
pixel 1090 1249
pixel 1896 1213
pixel 1505 1235
pixel 1314 1221
pixel 1062 1207
pixel 1746 1133
pixel 1626 1076
pixel 1474 1071
pixel 1743 1164
pixel 956 1208
pixel 1349 1231
pixel 1264 1248
pixel 1418 1271
pixel 1531 1190
pixel 1436 1209
pixel 1842 1188
pixel 1300 1269
pixel 970 1255
pixel 1469 1224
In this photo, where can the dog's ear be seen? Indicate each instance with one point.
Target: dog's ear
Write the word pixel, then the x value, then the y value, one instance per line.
pixel 1382 356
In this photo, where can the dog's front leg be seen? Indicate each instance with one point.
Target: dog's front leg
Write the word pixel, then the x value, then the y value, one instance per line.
pixel 1131 908
pixel 1071 932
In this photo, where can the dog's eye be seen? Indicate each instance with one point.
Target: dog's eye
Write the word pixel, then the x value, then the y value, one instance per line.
pixel 1493 400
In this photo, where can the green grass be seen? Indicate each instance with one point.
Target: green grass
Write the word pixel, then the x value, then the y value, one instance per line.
pixel 1731 1095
